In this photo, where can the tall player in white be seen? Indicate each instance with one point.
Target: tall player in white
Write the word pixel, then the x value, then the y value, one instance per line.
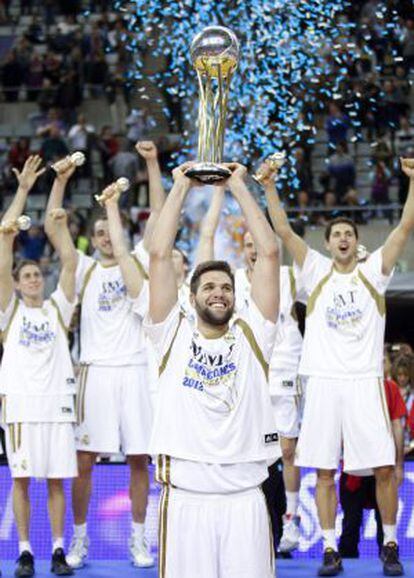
pixel 342 357
pixel 36 377
pixel 114 409
pixel 284 384
pixel 213 426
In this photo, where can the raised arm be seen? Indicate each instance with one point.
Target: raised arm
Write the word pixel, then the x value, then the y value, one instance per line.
pixel 131 274
pixel 294 244
pixel 157 195
pixel 265 277
pixel 398 238
pixel 205 247
pixel 58 227
pixel 163 283
pixel 60 239
pixel 26 179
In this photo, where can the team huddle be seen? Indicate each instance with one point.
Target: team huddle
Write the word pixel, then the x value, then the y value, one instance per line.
pixel 207 373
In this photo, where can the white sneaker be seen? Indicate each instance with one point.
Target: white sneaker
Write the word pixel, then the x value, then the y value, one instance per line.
pixel 290 536
pixel 78 551
pixel 138 550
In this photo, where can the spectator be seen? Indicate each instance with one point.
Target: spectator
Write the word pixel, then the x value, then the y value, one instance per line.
pixel 47 96
pixel 402 371
pixel 12 77
pixel 32 242
pixel 408 44
pixel 69 95
pixel 341 170
pixel 125 163
pixel 108 147
pixel 34 77
pixel 380 179
pixel 19 153
pixel 117 93
pixel 80 138
pixel 404 137
pixel 303 170
pixel 53 147
pixel 337 125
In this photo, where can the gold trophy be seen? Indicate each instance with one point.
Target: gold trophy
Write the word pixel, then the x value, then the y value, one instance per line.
pixel 120 186
pixel 274 162
pixel 215 56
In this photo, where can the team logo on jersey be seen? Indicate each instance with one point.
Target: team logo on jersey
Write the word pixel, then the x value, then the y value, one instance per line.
pixel 35 334
pixel 344 313
pixel 112 293
pixel 271 438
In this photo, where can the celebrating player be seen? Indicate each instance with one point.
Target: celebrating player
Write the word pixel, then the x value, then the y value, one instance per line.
pixel 345 406
pixel 36 377
pixel 114 410
pixel 213 427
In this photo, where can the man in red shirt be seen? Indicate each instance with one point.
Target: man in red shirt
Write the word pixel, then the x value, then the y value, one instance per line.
pixel 358 492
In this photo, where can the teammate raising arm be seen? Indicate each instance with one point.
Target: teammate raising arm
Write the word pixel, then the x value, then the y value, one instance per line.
pixel 37 380
pixel 208 227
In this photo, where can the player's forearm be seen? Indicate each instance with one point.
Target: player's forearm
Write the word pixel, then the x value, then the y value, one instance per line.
pixel 407 217
pixel 205 248
pixel 16 208
pixel 131 274
pixel 6 253
pixel 157 193
pixel 116 231
pixel 277 213
pixel 165 230
pixel 56 196
pixel 60 238
pixel 257 224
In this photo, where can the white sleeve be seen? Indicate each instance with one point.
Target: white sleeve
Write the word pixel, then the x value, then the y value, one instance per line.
pixel 6 315
pixel 142 255
pixel 140 305
pixel 372 269
pixel 66 308
pixel 161 334
pixel 313 269
pixel 264 330
pixel 84 264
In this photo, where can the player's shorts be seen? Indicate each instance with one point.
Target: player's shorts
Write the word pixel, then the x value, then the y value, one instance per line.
pixel 214 535
pixel 41 450
pixel 345 415
pixel 114 410
pixel 287 411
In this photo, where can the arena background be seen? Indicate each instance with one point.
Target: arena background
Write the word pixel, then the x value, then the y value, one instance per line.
pixel 284 97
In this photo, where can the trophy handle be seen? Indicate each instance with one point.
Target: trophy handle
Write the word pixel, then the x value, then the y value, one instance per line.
pixel 208 173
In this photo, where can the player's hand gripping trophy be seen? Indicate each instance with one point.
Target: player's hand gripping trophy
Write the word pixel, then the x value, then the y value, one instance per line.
pixel 215 56
pixel 115 189
pixel 270 167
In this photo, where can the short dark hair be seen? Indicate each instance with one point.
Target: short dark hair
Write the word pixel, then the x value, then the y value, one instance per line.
pixel 338 221
pixel 23 263
pixel 98 216
pixel 207 266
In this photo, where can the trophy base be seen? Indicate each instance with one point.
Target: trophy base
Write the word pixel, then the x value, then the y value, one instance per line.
pixel 208 173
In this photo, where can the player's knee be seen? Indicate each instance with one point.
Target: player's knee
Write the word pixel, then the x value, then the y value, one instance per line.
pixel 384 474
pixel 21 485
pixel 85 464
pixel 326 478
pixel 138 463
pixel 55 486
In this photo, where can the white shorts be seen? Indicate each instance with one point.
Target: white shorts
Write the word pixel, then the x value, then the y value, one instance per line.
pixel 114 410
pixel 41 450
pixel 345 415
pixel 214 535
pixel 287 411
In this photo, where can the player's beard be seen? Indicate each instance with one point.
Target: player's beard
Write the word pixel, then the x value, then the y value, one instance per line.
pixel 210 317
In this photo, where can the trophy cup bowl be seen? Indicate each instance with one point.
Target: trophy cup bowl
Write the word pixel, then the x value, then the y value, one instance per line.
pixel 275 162
pixel 215 56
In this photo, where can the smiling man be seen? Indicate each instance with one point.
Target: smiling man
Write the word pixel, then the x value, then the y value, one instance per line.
pixel 342 357
pixel 213 430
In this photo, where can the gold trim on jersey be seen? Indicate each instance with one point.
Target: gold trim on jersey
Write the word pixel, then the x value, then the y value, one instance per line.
pixel 293 292
pixel 86 280
pixel 140 267
pixel 163 469
pixel 249 335
pixel 80 398
pixel 384 404
pixel 316 293
pixel 168 352
pixel 379 299
pixel 3 400
pixel 12 316
pixel 162 531
pixel 60 318
pixel 15 433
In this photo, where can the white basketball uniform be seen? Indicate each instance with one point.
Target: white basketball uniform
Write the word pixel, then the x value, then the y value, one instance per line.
pixel 113 404
pixel 342 357
pixel 213 434
pixel 38 385
pixel 285 388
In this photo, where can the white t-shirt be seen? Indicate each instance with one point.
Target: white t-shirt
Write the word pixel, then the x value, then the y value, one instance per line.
pixel 214 404
pixel 36 374
pixel 345 318
pixel 111 323
pixel 285 358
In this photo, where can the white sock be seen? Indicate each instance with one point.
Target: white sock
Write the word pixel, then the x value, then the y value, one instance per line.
pixel 79 530
pixel 137 530
pixel 25 547
pixel 329 539
pixel 390 533
pixel 58 543
pixel 292 503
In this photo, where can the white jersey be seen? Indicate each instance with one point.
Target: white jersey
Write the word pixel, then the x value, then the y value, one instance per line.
pixel 36 374
pixel 214 404
pixel 111 330
pixel 285 358
pixel 345 318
